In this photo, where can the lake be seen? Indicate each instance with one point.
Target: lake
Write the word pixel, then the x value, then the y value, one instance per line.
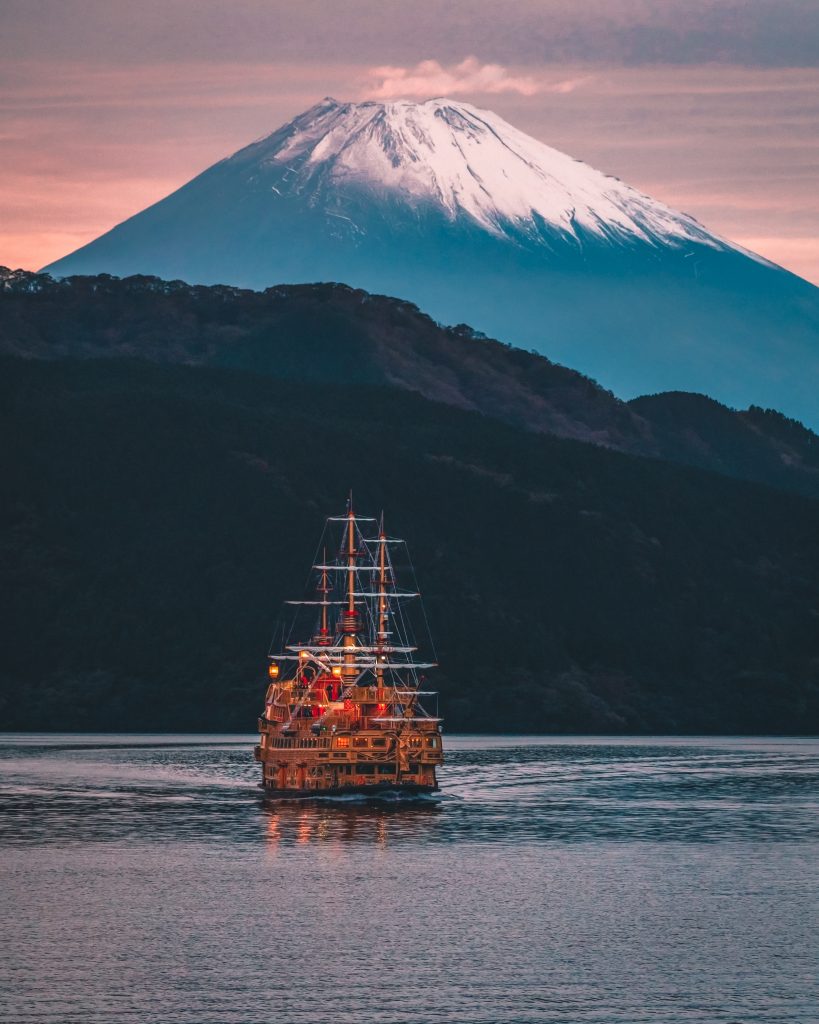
pixel 572 880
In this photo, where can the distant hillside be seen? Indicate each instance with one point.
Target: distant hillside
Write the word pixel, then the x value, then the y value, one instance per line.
pixel 753 444
pixel 154 516
pixel 326 333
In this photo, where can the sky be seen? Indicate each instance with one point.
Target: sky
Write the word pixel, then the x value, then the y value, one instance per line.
pixel 709 105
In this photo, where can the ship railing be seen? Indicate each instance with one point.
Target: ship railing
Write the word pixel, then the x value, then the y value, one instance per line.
pixel 384 722
pixel 383 694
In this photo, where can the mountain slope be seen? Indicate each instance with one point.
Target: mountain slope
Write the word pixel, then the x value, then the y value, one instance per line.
pixel 325 333
pixel 454 209
pixel 154 516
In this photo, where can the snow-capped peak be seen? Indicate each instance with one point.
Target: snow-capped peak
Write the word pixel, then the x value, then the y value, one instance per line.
pixel 467 162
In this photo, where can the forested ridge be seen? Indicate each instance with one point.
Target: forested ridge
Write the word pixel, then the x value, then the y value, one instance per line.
pixel 155 516
pixel 333 333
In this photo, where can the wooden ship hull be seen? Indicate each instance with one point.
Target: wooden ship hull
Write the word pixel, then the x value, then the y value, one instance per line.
pixel 376 791
pixel 349 760
pixel 349 718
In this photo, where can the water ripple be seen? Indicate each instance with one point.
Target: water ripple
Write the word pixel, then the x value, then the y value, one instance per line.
pixel 705 791
pixel 555 881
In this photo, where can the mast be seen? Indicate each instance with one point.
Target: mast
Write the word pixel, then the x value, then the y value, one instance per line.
pixel 350 626
pixel 324 637
pixel 325 590
pixel 381 636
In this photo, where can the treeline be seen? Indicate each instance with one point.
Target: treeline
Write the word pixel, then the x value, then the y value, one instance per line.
pixel 154 517
pixel 326 333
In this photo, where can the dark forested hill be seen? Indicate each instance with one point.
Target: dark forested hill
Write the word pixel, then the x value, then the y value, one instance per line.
pixel 154 516
pixel 315 333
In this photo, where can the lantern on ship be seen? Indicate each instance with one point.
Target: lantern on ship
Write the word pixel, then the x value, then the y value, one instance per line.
pixel 273 670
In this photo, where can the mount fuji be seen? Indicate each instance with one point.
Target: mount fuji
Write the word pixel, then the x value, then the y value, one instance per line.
pixel 451 207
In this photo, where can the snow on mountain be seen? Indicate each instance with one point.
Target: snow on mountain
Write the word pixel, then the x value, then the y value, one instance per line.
pixel 468 162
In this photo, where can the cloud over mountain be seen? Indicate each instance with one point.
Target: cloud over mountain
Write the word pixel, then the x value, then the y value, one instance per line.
pixel 430 78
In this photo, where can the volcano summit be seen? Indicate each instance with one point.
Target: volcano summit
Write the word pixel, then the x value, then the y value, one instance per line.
pixel 454 209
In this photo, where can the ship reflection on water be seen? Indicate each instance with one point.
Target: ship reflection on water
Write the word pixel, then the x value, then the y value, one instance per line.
pixel 362 821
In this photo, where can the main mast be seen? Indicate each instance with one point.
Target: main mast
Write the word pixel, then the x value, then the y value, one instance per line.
pixel 350 623
pixel 382 633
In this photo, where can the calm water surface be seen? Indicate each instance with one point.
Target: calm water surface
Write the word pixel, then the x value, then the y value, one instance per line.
pixel 576 880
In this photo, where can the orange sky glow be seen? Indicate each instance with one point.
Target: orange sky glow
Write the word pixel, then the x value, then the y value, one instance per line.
pixel 88 142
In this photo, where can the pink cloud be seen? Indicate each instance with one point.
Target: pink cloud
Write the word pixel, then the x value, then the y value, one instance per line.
pixel 430 78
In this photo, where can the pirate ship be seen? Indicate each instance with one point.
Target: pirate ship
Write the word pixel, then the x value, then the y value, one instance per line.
pixel 345 711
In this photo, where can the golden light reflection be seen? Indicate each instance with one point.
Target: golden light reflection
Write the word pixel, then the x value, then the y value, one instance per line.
pixel 305 828
pixel 274 833
pixel 335 825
